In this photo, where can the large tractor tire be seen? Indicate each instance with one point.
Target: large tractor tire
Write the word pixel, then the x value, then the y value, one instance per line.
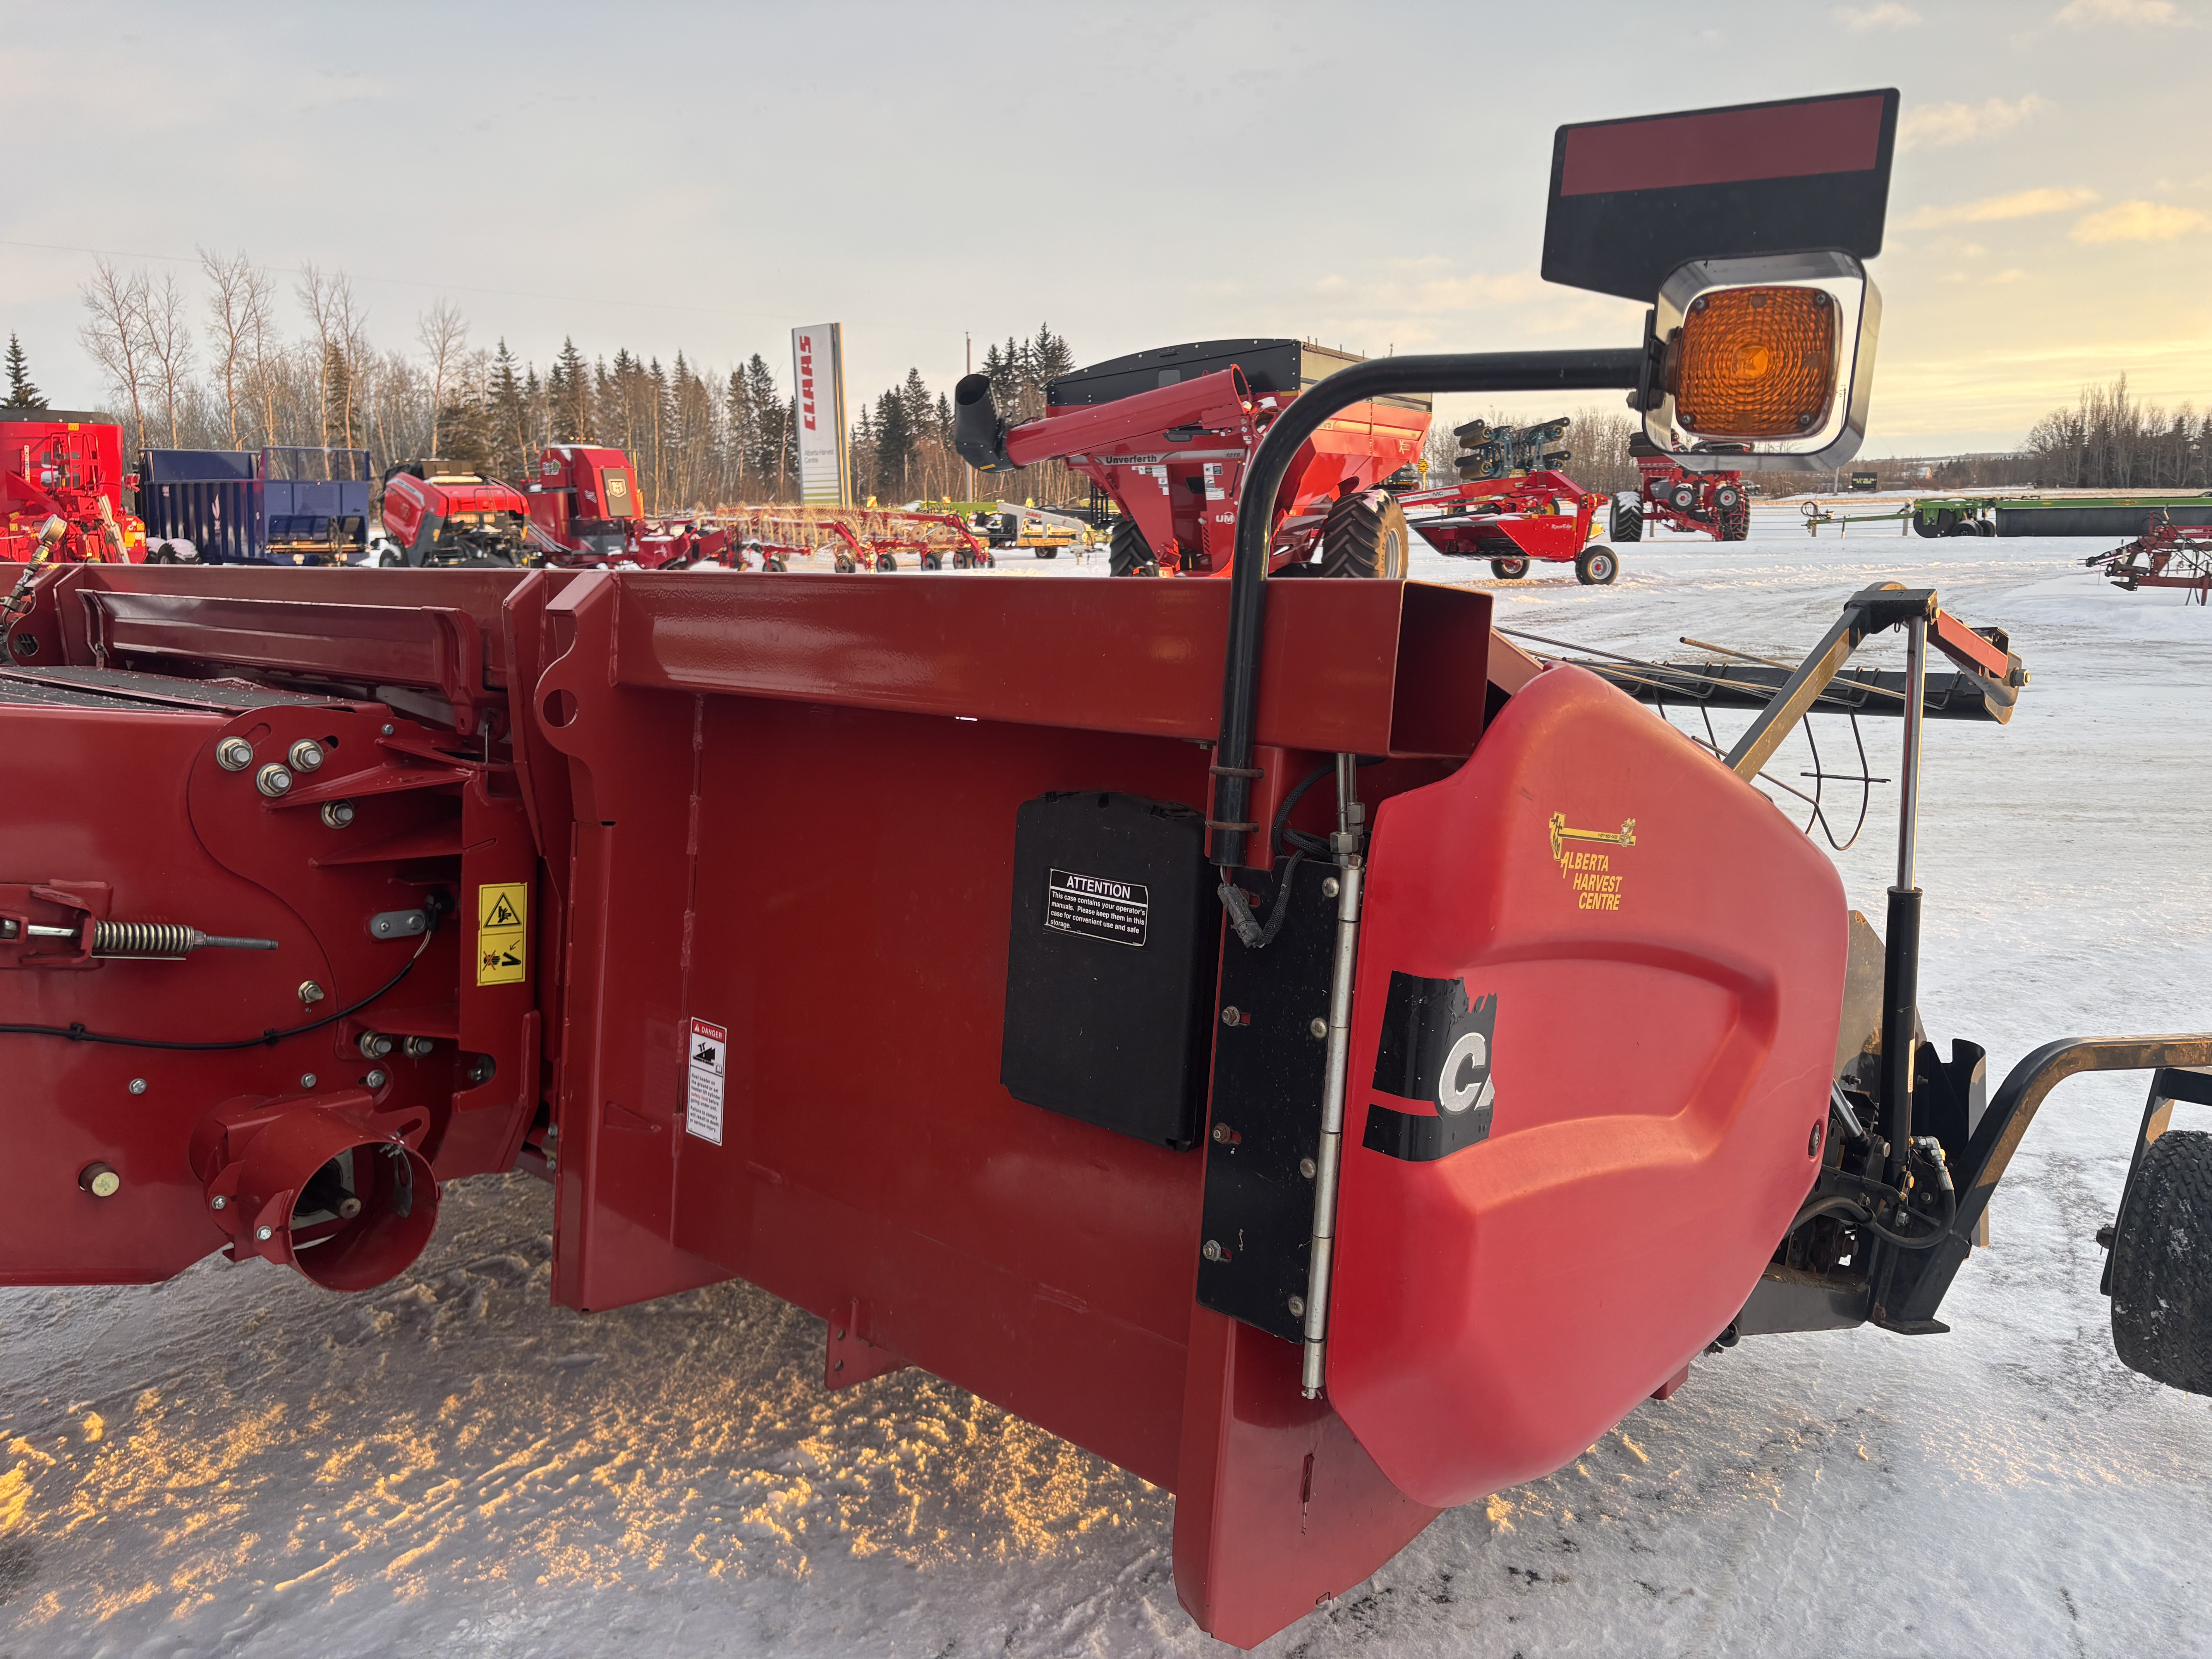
pixel 2162 1265
pixel 1127 553
pixel 1596 565
pixel 1735 522
pixel 1365 534
pixel 1510 570
pixel 1625 522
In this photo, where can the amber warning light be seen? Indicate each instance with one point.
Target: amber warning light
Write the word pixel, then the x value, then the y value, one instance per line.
pixel 1753 363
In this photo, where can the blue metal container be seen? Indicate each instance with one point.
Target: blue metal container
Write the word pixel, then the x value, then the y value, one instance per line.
pixel 281 505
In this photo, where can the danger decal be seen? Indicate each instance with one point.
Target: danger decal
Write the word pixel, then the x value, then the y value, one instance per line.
pixel 708 1069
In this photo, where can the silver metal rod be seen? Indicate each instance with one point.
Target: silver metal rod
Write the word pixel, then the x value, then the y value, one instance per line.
pixel 1328 1158
pixel 1915 699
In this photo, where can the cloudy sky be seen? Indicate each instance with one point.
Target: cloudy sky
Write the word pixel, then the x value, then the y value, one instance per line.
pixel 665 177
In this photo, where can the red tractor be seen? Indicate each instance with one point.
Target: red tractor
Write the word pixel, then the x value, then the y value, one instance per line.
pixel 1714 503
pixel 1169 433
pixel 439 513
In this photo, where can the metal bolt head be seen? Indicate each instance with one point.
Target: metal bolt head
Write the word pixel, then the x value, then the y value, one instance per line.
pixel 234 754
pixel 374 1079
pixel 1308 1167
pixel 137 1085
pixel 1319 1027
pixel 310 993
pixel 273 780
pixel 100 1181
pixel 1812 1144
pixel 218 1202
pixel 1230 1016
pixel 416 1047
pixel 1297 1307
pixel 1330 887
pixel 337 813
pixel 1211 1250
pixel 389 730
pixel 1221 1134
pixel 374 1045
pixel 265 1234
pixel 307 1080
pixel 304 755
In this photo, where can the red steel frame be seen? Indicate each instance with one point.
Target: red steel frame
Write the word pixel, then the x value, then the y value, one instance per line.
pixel 1660 476
pixel 1516 517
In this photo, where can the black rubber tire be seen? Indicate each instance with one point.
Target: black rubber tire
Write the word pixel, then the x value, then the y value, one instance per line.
pixel 1684 497
pixel 1365 534
pixel 1985 526
pixel 1510 570
pixel 1596 565
pixel 776 563
pixel 1921 527
pixel 1727 498
pixel 932 559
pixel 886 561
pixel 1735 523
pixel 2162 1265
pixel 1946 523
pixel 1046 552
pixel 1127 552
pixel 845 564
pixel 1625 522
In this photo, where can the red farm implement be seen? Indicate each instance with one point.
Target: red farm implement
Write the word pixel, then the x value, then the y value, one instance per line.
pixel 855 538
pixel 61 491
pixel 1224 1095
pixel 1170 434
pixel 1713 503
pixel 2164 555
pixel 1541 515
pixel 440 514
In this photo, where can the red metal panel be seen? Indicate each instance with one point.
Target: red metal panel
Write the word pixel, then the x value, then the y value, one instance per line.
pixel 1665 1021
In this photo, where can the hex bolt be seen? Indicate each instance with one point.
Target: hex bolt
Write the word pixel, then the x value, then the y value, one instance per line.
pixel 415 1048
pixel 337 813
pixel 1230 1016
pixel 137 1085
pixel 1307 1168
pixel 306 755
pixel 100 1181
pixel 1211 1251
pixel 389 730
pixel 307 1080
pixel 1223 1133
pixel 375 1080
pixel 374 1045
pixel 310 993
pixel 265 1234
pixel 234 754
pixel 1330 886
pixel 218 1202
pixel 1319 1027
pixel 1297 1307
pixel 273 780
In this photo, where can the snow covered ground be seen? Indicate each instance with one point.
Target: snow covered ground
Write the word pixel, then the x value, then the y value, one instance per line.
pixel 237 1463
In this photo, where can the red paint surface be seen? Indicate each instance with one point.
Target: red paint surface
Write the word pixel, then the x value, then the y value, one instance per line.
pixel 1722 147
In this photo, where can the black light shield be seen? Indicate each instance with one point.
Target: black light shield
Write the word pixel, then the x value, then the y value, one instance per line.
pixel 1632 200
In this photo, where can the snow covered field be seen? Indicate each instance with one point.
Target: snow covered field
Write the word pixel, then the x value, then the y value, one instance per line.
pixel 237 1463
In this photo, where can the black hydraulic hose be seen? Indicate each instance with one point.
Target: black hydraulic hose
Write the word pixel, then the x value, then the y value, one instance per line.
pixel 269 1038
pixel 1479 371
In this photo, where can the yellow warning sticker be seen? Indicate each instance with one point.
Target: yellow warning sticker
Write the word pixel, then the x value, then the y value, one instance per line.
pixel 503 932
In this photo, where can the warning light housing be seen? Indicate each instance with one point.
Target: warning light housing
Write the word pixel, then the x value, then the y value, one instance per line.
pixel 1762 364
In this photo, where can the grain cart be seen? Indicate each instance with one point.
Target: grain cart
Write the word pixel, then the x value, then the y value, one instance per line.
pixel 1226 1095
pixel 1169 433
pixel 1669 493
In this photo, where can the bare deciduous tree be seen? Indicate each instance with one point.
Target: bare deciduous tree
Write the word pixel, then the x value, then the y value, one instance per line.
pixel 240 307
pixel 168 344
pixel 444 334
pixel 114 332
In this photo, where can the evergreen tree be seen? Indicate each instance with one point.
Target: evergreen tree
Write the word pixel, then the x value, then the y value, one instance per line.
pixel 509 416
pixel 767 460
pixel 894 447
pixel 21 394
pixel 570 390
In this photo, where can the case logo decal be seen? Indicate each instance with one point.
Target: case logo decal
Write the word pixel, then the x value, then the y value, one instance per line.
pixel 1597 886
pixel 1437 1047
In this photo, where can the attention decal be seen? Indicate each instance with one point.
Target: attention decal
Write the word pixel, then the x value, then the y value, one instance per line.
pixel 502 933
pixel 1437 1046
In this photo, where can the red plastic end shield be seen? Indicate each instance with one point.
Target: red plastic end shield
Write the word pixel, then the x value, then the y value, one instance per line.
pixel 1599 985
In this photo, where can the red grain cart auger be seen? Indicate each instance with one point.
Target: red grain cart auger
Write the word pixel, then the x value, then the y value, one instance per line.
pixel 1168 434
pixel 1329 1063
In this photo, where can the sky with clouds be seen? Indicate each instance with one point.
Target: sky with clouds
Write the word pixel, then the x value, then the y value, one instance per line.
pixel 703 177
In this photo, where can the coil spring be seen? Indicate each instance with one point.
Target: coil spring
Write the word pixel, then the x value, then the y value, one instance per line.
pixel 141 939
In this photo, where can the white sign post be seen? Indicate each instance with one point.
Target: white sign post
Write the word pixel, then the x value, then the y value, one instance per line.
pixel 818 359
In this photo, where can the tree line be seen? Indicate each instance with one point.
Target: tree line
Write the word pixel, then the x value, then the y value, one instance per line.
pixel 212 366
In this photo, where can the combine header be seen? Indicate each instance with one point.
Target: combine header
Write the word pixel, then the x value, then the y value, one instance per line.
pixel 1327 1062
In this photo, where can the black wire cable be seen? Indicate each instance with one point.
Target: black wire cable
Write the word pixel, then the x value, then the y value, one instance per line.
pixel 269 1038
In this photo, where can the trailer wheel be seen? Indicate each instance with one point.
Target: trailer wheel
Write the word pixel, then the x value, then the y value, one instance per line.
pixel 1727 498
pixel 932 559
pixel 844 563
pixel 1127 552
pixel 1596 565
pixel 1735 522
pixel 1985 526
pixel 1922 526
pixel 1510 570
pixel 2162 1265
pixel 1684 497
pixel 886 561
pixel 1365 534
pixel 774 561
pixel 1047 552
pixel 1625 522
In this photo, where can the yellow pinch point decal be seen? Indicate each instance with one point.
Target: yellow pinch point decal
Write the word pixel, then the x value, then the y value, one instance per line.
pixel 502 933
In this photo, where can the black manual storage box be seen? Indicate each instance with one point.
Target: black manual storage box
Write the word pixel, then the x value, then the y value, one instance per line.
pixel 1111 967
